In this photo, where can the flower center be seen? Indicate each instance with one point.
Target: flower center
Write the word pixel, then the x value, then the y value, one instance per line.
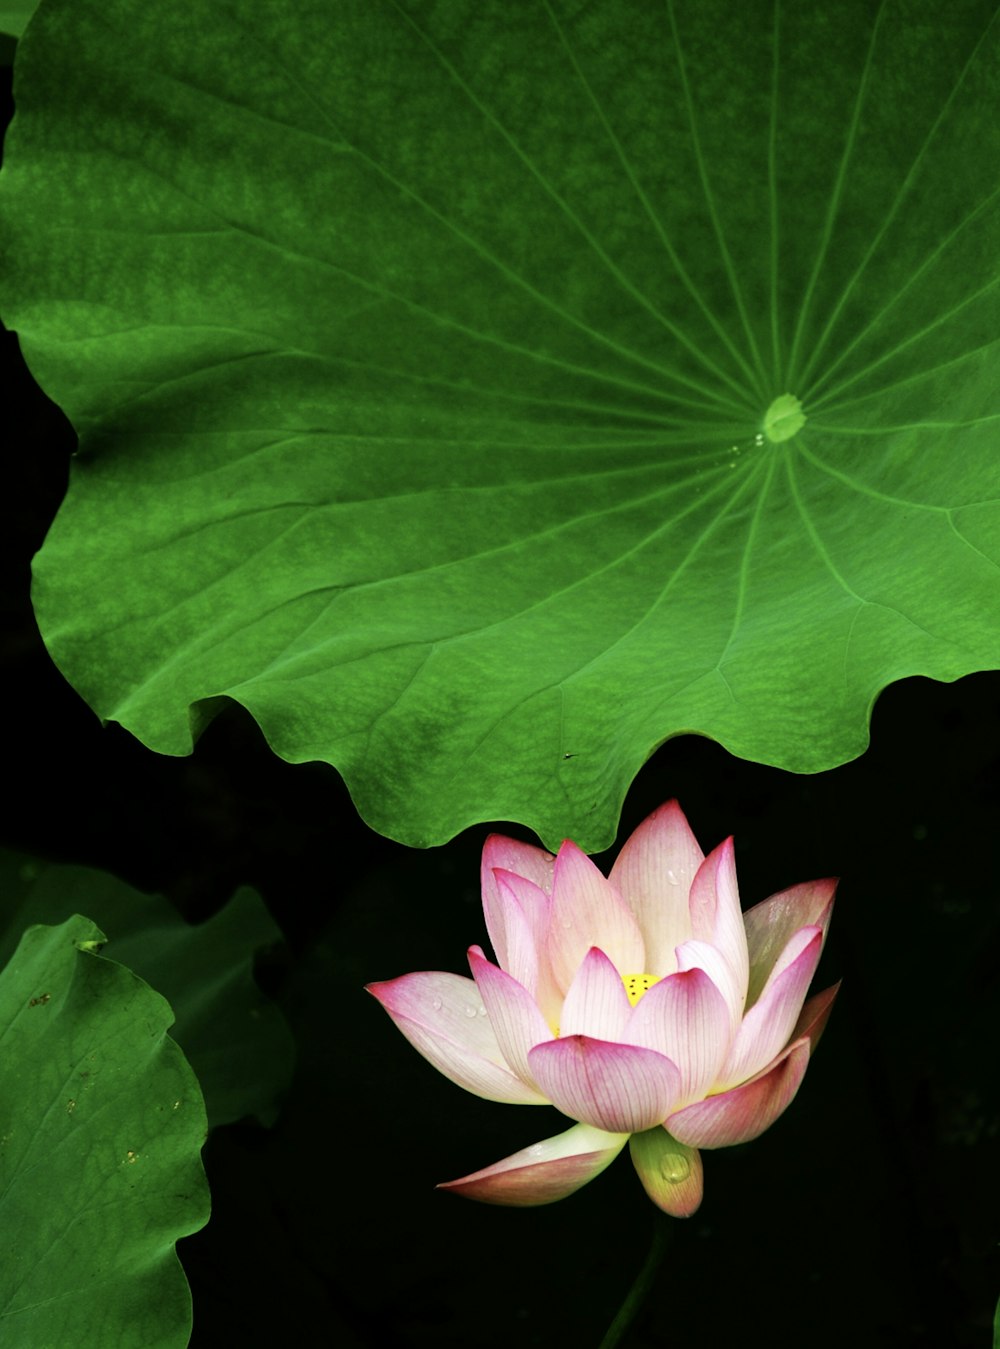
pixel 638 984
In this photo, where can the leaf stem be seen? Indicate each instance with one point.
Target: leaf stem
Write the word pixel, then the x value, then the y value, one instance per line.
pixel 639 1291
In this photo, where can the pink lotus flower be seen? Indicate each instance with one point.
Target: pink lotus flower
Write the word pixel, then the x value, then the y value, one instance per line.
pixel 645 1006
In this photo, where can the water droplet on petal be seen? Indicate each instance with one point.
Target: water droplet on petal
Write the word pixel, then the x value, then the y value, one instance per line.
pixel 482 1011
pixel 672 878
pixel 470 1011
pixel 567 922
pixel 675 1167
pixel 436 1004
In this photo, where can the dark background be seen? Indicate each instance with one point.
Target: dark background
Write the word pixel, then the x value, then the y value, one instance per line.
pixel 866 1216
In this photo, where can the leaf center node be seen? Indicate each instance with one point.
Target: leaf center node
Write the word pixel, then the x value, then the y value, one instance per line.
pixel 784 418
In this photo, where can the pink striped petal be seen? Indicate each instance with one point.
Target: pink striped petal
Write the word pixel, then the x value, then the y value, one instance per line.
pixel 771 924
pixel 528 942
pixel 545 1172
pixel 767 1026
pixel 744 1113
pixel 618 1088
pixel 513 1014
pixel 596 1003
pixel 507 854
pixel 588 911
pixel 653 873
pixel 685 1017
pixel 716 916
pixel 671 1172
pixel 444 1019
pixel 510 933
pixel 700 955
pixel 739 1115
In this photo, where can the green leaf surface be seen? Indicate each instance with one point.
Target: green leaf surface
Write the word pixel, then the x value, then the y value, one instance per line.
pixel 101 1127
pixel 439 367
pixel 14 16
pixel 236 1040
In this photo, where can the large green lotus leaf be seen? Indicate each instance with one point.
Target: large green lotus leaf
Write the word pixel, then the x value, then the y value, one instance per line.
pixel 14 15
pixel 236 1040
pixel 101 1127
pixel 438 368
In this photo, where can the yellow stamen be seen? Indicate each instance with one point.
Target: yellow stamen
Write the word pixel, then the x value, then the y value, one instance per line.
pixel 638 984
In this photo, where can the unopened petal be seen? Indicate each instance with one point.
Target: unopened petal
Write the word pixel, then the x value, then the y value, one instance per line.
pixel 670 1171
pixel 767 1026
pixel 653 873
pixel 444 1018
pixel 618 1088
pixel 596 1003
pixel 588 911
pixel 716 916
pixel 512 1012
pixel 743 1113
pixel 544 1172
pixel 771 924
pixel 685 1017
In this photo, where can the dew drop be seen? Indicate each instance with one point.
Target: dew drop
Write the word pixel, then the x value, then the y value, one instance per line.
pixel 470 1011
pixel 675 1167
pixel 672 878
pixel 436 1004
pixel 482 1011
pixel 567 922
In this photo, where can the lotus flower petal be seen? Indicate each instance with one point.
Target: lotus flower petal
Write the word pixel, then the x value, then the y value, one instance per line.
pixel 544 1172
pixel 596 1004
pixel 527 941
pixel 685 1017
pixel 615 1087
pixel 716 916
pixel 644 1006
pixel 522 859
pixel 512 1011
pixel 701 955
pixel 439 1014
pixel 653 872
pixel 588 911
pixel 771 924
pixel 768 1024
pixel 742 1114
pixel 671 1172
pixel 814 1016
